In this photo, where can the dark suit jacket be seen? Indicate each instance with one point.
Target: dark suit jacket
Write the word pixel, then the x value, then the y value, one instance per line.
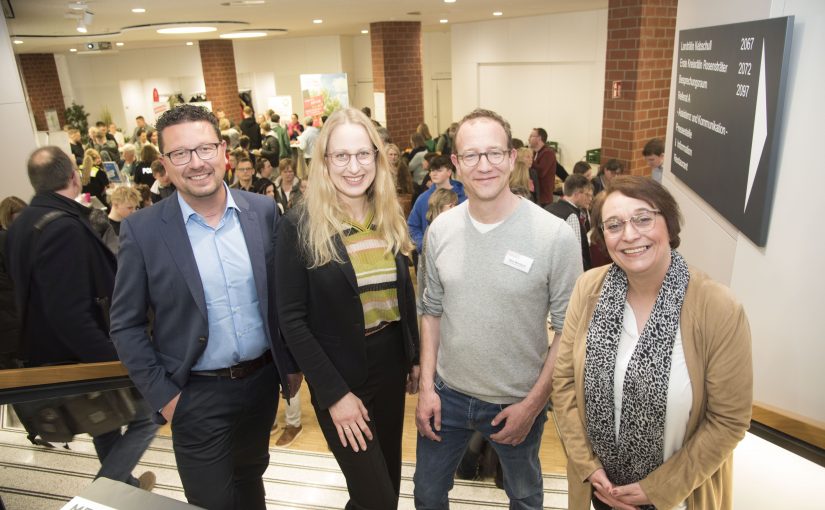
pixel 158 271
pixel 322 318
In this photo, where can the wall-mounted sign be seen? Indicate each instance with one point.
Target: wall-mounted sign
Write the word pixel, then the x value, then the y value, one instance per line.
pixel 322 94
pixel 730 89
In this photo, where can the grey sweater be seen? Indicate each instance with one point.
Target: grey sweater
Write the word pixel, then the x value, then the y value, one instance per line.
pixel 493 315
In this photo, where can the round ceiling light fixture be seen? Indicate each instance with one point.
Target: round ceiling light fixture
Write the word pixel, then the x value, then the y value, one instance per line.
pixel 243 35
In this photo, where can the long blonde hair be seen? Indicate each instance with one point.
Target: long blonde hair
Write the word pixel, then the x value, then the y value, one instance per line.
pixel 323 214
pixel 520 176
pixel 89 158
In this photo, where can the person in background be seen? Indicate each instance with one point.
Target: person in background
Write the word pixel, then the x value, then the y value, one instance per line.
pixel 287 185
pixel 441 200
pixel 578 193
pixel 347 307
pixel 143 168
pixel 281 135
pixel 125 201
pixel 233 134
pixel 141 126
pixel 246 175
pixel 63 276
pixel 106 147
pixel 251 128
pixel 520 182
pixel 654 382
pixel 306 140
pixel 403 177
pixel 446 140
pixel 441 173
pixel 115 133
pixel 163 186
pixel 424 131
pixel 263 169
pixel 128 164
pixel 11 351
pixel 610 170
pixel 294 128
pixel 544 165
pixel 76 145
pixel 93 177
pixel 145 195
pixel 583 168
pixel 654 154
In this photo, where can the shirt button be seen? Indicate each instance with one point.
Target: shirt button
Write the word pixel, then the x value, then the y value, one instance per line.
pixel 202 339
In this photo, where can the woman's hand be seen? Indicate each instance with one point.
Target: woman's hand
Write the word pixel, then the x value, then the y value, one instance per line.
pixel 632 494
pixel 603 487
pixel 350 418
pixel 412 379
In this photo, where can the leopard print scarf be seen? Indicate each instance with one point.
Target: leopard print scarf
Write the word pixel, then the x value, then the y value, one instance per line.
pixel 640 445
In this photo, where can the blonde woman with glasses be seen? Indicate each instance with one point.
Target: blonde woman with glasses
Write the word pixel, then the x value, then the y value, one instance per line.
pixel 347 308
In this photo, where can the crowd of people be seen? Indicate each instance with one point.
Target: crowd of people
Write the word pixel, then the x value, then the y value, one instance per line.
pixel 235 280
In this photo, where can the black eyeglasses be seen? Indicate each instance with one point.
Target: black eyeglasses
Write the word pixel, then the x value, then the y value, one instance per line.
pixel 182 156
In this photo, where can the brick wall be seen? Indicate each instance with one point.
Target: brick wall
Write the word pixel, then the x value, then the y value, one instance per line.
pixel 397 71
pixel 43 87
pixel 640 38
pixel 218 62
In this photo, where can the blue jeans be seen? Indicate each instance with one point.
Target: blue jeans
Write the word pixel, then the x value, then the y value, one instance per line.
pixel 436 462
pixel 119 451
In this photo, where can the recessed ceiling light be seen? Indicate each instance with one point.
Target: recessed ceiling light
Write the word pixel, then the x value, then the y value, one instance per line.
pixel 73 50
pixel 497 13
pixel 18 41
pixel 365 31
pixel 242 35
pixel 82 29
pixel 138 10
pixel 186 30
pixel 190 43
pixel 118 44
pixel 317 21
pixel 449 1
pixel 443 21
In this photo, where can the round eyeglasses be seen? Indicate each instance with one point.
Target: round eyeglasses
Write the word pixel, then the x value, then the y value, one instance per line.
pixel 471 159
pixel 642 222
pixel 363 157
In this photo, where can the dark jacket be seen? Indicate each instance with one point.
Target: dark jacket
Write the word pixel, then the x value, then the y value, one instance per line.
pixel 10 348
pixel 251 129
pixel 322 318
pixel 63 319
pixel 564 209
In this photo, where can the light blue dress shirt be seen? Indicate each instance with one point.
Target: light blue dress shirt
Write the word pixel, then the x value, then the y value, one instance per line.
pixel 236 327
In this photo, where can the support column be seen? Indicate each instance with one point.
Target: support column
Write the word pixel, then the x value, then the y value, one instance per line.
pixel 640 38
pixel 43 87
pixel 397 72
pixel 219 77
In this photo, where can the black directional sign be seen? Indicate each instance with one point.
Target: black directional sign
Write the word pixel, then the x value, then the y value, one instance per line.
pixel 730 88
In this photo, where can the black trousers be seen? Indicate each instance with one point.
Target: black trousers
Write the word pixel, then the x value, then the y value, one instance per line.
pixel 220 434
pixel 374 475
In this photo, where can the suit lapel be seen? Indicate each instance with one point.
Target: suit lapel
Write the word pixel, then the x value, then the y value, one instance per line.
pixel 346 265
pixel 250 224
pixel 173 232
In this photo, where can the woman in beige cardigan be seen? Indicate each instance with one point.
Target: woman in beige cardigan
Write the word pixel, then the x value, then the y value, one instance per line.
pixel 653 384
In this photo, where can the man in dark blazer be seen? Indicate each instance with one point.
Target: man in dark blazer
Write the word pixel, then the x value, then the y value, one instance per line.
pixel 211 359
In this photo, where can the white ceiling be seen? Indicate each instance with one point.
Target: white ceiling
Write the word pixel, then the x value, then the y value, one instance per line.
pixel 43 27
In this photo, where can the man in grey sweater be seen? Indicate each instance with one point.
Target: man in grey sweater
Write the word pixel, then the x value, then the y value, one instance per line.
pixel 496 265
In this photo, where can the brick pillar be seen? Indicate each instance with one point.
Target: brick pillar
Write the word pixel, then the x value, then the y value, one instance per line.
pixel 218 62
pixel 43 87
pixel 640 38
pixel 397 72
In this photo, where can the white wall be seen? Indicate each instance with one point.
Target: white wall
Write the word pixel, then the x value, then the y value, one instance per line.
pixel 779 284
pixel 17 128
pixel 123 81
pixel 543 71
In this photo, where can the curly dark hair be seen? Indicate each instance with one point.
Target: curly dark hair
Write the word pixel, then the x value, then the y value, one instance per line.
pixel 185 113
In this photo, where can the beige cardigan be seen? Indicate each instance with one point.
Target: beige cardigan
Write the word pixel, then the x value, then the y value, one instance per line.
pixel 717 343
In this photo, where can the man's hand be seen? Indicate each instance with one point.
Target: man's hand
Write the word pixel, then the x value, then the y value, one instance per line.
pixel 429 407
pixel 350 418
pixel 168 410
pixel 518 420
pixel 412 379
pixel 294 381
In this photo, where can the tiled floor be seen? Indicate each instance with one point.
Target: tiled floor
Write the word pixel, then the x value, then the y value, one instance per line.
pixel 35 478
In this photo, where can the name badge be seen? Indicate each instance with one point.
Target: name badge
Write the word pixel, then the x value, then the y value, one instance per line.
pixel 517 261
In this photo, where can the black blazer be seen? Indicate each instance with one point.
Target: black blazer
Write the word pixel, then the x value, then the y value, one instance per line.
pixel 322 319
